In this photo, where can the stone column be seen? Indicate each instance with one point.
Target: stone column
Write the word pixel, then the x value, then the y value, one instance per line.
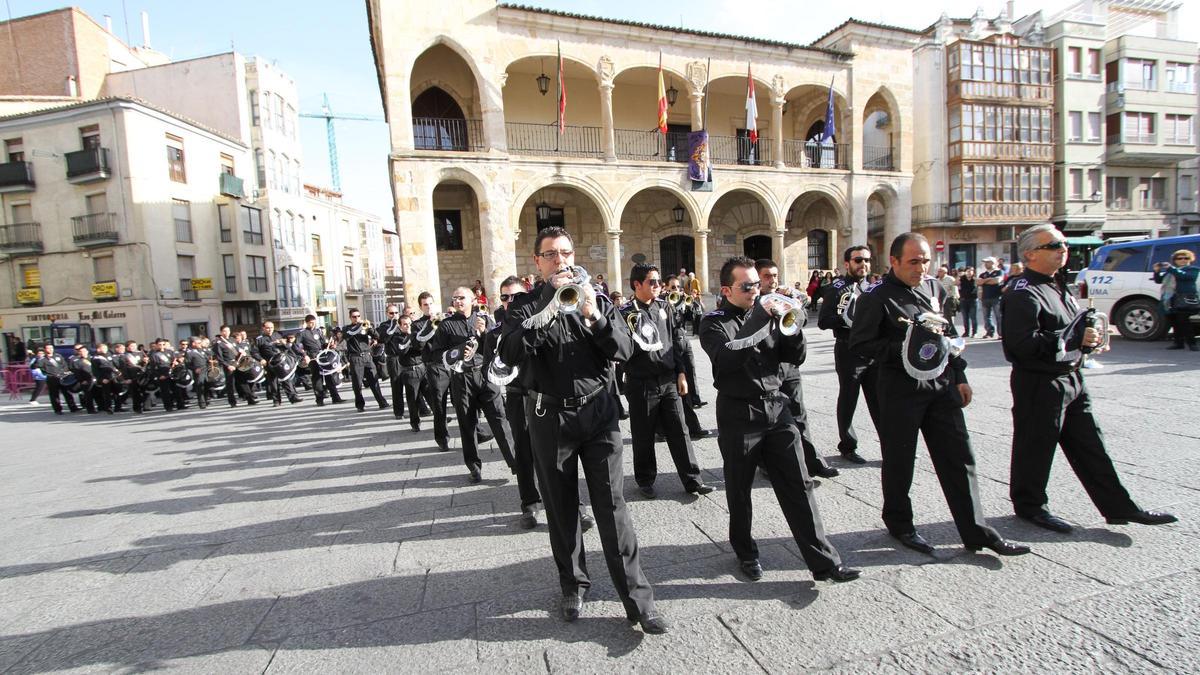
pixel 777 132
pixel 859 191
pixel 701 237
pixel 607 135
pixel 697 110
pixel 414 224
pixel 498 236
pixel 778 251
pixel 614 259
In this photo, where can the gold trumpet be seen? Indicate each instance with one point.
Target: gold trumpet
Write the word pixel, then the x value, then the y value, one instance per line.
pixel 674 297
pixel 632 319
pixel 687 300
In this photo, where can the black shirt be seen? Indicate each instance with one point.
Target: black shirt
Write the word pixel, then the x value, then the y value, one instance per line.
pixel 81 367
pixel 358 340
pixel 103 367
pixel 567 358
pixel 455 331
pixel 754 372
pixel 196 360
pixel 878 334
pixel 311 341
pixel 991 291
pixel 53 366
pixel 1034 314
pixel 160 361
pixel 830 316
pixel 643 364
pixel 267 346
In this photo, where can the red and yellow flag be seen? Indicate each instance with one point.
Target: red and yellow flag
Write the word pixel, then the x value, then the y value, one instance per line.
pixel 662 102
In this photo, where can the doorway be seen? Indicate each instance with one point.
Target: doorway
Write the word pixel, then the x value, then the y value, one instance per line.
pixel 675 252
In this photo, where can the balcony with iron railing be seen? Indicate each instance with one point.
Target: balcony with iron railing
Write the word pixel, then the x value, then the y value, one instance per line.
pixel 95 229
pixel 16 176
pixel 878 158
pixel 813 155
pixel 927 214
pixel 651 145
pixel 88 166
pixel 448 134
pixel 739 150
pixel 232 186
pixel 1119 204
pixel 21 238
pixel 527 138
pixel 186 292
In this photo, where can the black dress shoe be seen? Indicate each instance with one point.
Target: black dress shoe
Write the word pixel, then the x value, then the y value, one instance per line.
pixel 648 491
pixel 1144 518
pixel 624 415
pixel 915 541
pixel 1001 547
pixel 701 434
pixel 699 404
pixel 476 476
pixel 840 574
pixel 826 472
pixel 586 521
pixel 1049 521
pixel 853 457
pixel 752 569
pixel 700 489
pixel 529 517
pixel 571 606
pixel 653 624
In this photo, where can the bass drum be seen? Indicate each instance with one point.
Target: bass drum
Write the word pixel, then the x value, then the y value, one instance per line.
pixel 71 383
pixel 146 381
pixel 182 377
pixel 255 373
pixel 283 366
pixel 216 380
pixel 329 361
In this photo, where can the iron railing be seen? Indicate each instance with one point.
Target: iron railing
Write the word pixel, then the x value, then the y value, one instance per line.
pixel 878 158
pixel 93 228
pixel 526 138
pixel 16 175
pixel 21 237
pixel 739 150
pixel 651 145
pixel 814 155
pixel 448 134
pixel 87 162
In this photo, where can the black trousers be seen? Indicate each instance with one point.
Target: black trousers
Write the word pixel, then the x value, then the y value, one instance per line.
pixel 277 387
pixel 411 379
pixel 362 371
pixel 395 370
pixel 87 396
pixel 472 395
pixel 514 411
pixel 106 395
pixel 323 385
pixel 135 395
pixel 437 385
pixel 853 375
pixel 906 410
pixel 1050 411
pixel 750 433
pixel 1182 329
pixel 200 386
pixel 58 393
pixel 655 403
pixel 237 384
pixel 168 392
pixel 587 436
pixel 793 389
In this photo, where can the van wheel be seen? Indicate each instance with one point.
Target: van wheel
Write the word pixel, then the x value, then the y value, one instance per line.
pixel 1140 320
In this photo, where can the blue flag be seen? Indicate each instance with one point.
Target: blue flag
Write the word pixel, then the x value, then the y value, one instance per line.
pixel 830 126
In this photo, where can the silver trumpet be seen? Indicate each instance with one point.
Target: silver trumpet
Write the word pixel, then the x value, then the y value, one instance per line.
pixel 1099 321
pixel 791 318
pixel 569 298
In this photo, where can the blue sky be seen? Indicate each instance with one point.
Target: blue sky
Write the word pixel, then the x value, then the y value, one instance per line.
pixel 324 47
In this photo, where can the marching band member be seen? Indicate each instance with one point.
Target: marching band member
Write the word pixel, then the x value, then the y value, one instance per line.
pixel 267 346
pixel 107 390
pixel 394 343
pixel 81 366
pixel 313 342
pixel 55 368
pixel 754 421
pixel 131 361
pixel 412 370
pixel 654 382
pixel 853 373
pixel 461 343
pixel 226 352
pixel 196 361
pixel 437 378
pixel 922 388
pixel 691 400
pixel 357 338
pixel 572 421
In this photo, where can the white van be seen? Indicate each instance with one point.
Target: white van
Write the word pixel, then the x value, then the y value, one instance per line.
pixel 1120 279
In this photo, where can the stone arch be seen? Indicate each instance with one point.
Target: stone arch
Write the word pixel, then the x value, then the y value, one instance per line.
pixel 761 192
pixel 805 104
pixel 456 73
pixel 881 131
pixel 586 213
pixel 587 186
pixel 686 198
pixel 455 188
pixel 815 208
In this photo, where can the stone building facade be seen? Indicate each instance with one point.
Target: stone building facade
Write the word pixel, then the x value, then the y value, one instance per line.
pixel 478 162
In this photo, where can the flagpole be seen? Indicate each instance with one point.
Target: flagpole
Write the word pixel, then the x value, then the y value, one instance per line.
pixel 558 120
pixel 707 79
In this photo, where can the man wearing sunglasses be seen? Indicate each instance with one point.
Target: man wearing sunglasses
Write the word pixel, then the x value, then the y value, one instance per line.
pixel 793 387
pixel 654 381
pixel 907 405
pixel 436 388
pixel 755 425
pixel 1051 405
pixel 393 345
pixel 357 338
pixel 572 418
pixel 853 372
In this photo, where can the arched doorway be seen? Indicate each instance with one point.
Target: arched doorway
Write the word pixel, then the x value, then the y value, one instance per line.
pixel 677 252
pixel 812 240
pixel 457 233
pixel 572 209
pixel 737 216
pixel 758 246
pixel 879 139
pixel 438 121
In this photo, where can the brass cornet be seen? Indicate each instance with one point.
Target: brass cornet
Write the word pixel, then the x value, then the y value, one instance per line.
pixel 792 318
pixel 570 297
pixel 674 297
pixel 632 319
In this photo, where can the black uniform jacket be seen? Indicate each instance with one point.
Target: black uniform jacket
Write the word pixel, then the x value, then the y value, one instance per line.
pixel 643 364
pixel 567 358
pixel 455 331
pixel 103 367
pixel 358 346
pixel 878 332
pixel 831 297
pixel 754 372
pixel 267 346
pixel 52 366
pixel 1035 313
pixel 312 341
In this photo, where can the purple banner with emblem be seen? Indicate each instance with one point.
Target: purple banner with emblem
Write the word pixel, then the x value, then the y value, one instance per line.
pixel 699 167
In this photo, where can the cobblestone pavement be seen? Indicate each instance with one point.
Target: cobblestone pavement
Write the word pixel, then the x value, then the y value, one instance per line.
pixel 321 540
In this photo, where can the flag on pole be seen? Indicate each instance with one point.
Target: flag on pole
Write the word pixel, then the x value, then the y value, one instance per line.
pixel 662 99
pixel 751 108
pixel 562 95
pixel 830 127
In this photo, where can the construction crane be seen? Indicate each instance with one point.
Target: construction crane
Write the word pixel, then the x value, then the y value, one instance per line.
pixel 327 115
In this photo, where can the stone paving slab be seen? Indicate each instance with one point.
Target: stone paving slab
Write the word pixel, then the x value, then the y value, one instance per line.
pixel 323 540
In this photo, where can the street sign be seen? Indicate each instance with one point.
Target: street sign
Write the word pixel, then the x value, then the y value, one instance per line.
pixel 204 283
pixel 939 246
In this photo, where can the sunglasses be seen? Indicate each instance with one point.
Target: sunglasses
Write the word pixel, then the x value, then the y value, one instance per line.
pixel 392 313
pixel 1052 246
pixel 747 286
pixel 654 282
pixel 506 297
pixel 550 255
pixel 860 259
pixel 460 297
pixel 1182 257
